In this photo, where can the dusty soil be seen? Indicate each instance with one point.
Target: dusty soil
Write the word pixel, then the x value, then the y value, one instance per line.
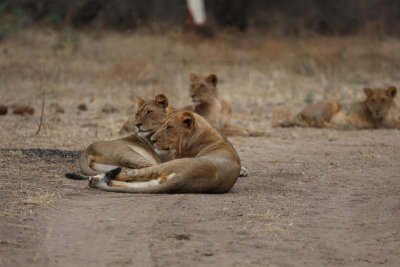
pixel 313 197
pixel 320 198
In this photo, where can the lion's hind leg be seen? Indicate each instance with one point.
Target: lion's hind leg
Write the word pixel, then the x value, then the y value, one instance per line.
pixel 135 175
pixel 234 130
pixel 107 183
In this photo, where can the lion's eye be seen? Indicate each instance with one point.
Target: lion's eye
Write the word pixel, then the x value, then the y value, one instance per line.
pixel 137 114
pixel 169 127
pixel 149 112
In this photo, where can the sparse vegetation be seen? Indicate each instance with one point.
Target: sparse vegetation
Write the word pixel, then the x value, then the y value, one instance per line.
pixel 68 39
pixel 302 181
pixel 309 98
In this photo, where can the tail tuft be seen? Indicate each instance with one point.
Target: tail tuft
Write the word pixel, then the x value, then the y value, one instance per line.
pixel 113 173
pixel 74 176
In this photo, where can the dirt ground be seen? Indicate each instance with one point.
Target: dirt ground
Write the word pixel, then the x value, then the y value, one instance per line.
pixel 312 198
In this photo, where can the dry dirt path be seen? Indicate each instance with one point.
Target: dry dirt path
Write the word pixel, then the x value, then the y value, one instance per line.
pixel 313 198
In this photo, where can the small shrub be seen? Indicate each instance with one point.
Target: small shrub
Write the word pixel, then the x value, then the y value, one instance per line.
pixel 309 98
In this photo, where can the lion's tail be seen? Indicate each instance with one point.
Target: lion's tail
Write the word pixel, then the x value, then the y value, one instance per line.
pixel 74 176
pixel 109 175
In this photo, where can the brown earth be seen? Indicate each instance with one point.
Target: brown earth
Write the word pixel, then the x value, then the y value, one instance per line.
pixel 313 197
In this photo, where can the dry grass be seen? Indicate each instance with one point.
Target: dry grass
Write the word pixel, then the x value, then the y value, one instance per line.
pixel 256 73
pixel 41 199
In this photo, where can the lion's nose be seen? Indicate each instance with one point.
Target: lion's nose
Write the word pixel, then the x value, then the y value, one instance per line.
pixel 138 124
pixel 153 140
pixel 193 96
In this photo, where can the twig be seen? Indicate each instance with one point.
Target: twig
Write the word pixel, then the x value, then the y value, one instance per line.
pixel 41 114
pixel 42 89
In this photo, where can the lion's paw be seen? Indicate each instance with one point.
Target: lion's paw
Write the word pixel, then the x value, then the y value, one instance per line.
pixel 94 181
pixel 244 172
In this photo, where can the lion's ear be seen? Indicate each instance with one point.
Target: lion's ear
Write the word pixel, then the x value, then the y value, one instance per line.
pixel 161 100
pixel 391 91
pixel 139 102
pixel 212 79
pixel 368 92
pixel 187 119
pixel 193 77
pixel 170 110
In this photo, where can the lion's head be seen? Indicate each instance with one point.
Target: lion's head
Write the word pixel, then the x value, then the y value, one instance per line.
pixel 203 89
pixel 149 115
pixel 182 133
pixel 380 101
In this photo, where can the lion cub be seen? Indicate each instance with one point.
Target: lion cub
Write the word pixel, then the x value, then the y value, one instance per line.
pixel 208 103
pixel 134 151
pixel 378 110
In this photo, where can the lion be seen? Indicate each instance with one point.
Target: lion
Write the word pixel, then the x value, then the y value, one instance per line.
pixel 204 161
pixel 208 103
pixel 134 151
pixel 316 115
pixel 150 113
pixel 378 110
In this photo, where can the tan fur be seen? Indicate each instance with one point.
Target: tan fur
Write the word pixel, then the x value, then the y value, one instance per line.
pixel 208 103
pixel 147 116
pixel 134 151
pixel 205 162
pixel 318 115
pixel 378 110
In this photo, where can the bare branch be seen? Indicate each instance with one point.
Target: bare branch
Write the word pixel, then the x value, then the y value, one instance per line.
pixel 41 114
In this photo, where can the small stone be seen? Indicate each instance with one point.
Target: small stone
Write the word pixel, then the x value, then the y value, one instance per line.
pixel 23 110
pixel 60 110
pixel 207 254
pixel 82 107
pixel 3 110
pixel 109 109
pixel 181 236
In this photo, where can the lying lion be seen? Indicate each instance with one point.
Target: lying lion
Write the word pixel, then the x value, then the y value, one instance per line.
pixel 205 161
pixel 134 151
pixel 378 110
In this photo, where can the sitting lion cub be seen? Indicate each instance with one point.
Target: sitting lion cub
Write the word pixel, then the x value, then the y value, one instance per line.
pixel 205 162
pixel 208 103
pixel 378 110
pixel 134 151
